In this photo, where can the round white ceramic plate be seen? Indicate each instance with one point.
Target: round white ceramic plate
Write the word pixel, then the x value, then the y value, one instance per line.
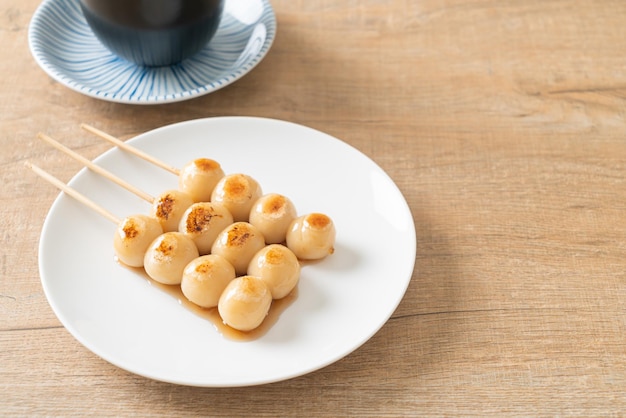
pixel 67 50
pixel 342 300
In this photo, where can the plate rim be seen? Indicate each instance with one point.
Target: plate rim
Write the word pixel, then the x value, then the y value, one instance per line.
pixel 410 267
pixel 66 80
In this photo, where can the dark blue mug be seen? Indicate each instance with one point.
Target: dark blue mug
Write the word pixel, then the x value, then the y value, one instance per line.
pixel 153 32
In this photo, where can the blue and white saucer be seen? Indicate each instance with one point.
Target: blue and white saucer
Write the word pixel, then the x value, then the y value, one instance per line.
pixel 65 47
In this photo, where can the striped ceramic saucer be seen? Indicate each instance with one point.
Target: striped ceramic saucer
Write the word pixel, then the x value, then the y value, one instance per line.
pixel 64 46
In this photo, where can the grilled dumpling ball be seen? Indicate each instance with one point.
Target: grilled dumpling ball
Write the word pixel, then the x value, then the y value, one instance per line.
pixel 205 278
pixel 237 192
pixel 133 236
pixel 272 213
pixel 237 243
pixel 199 177
pixel 169 207
pixel 202 222
pixel 278 267
pixel 167 257
pixel 245 302
pixel 311 236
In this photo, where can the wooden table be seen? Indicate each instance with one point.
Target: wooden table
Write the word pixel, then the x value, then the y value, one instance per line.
pixel 502 122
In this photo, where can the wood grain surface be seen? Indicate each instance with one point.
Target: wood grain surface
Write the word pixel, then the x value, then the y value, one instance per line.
pixel 503 124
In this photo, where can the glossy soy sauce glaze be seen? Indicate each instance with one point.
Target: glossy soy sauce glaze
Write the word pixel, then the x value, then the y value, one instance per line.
pixel 153 32
pixel 212 315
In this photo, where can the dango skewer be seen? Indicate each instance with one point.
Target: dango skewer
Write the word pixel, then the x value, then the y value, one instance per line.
pixel 234 248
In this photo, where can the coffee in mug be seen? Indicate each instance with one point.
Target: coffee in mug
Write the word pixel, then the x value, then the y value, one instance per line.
pixel 153 32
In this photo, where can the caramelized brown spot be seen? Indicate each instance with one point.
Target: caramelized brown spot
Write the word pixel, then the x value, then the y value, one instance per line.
pixel 200 218
pixel 277 308
pixel 130 228
pixel 250 285
pixel 318 220
pixel 166 246
pixel 274 204
pixel 236 186
pixel 238 235
pixel 274 256
pixel 206 164
pixel 205 267
pixel 165 206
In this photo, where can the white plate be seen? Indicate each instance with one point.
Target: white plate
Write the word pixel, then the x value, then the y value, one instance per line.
pixel 342 300
pixel 67 50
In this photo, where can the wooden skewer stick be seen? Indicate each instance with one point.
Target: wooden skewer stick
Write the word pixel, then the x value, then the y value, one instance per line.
pixel 99 170
pixel 73 193
pixel 129 148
